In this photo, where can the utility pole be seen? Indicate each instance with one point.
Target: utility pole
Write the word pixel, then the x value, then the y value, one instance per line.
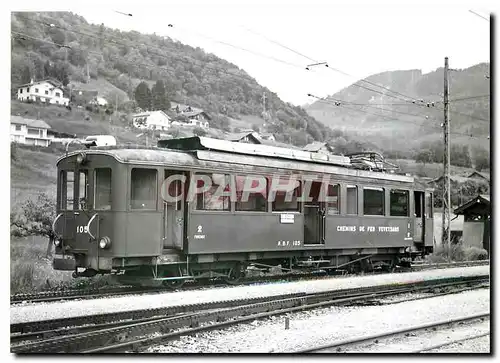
pixel 264 102
pixel 446 237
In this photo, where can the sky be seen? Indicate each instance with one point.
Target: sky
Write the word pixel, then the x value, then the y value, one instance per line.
pixel 357 38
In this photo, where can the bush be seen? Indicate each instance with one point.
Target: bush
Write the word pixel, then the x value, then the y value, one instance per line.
pixel 198 131
pixel 457 253
pixel 475 253
pixel 13 151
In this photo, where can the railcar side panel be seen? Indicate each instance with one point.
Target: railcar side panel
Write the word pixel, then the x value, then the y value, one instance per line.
pixel 144 230
pixel 242 232
pixel 367 232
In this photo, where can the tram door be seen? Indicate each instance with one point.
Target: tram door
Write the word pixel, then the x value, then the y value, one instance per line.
pixel 173 209
pixel 419 212
pixel 314 218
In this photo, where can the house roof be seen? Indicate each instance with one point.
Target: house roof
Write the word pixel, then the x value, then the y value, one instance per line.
pixel 149 113
pixel 316 146
pixel 51 81
pixel 454 178
pixel 29 122
pixel 481 175
pixel 194 113
pixel 479 199
pixel 237 136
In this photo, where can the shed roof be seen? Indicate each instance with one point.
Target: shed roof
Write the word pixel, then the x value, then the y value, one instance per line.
pixel 29 122
pixel 483 199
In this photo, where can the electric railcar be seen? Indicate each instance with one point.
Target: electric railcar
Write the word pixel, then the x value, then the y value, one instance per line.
pixel 112 216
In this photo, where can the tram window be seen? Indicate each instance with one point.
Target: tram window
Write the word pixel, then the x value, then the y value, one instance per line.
pixel 102 199
pixel 255 201
pixel 215 197
pixel 67 189
pixel 373 201
pixel 333 199
pixel 429 205
pixel 399 203
pixel 285 201
pixel 352 199
pixel 83 189
pixel 143 189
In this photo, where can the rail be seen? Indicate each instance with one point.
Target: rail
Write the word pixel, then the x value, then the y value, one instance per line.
pixel 134 330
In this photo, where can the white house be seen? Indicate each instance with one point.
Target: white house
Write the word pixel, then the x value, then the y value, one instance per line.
pixel 28 131
pixel 47 91
pixel 157 120
pixel 99 101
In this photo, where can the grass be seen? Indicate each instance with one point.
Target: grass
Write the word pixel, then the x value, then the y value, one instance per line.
pixel 457 253
pixel 31 271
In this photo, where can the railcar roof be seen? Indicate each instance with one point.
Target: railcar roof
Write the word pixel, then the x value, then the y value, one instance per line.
pixel 213 159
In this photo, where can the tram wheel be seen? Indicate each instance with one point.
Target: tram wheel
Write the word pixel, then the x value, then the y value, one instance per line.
pixel 234 275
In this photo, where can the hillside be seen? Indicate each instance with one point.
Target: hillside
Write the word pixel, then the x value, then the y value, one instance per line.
pixel 115 62
pixel 391 121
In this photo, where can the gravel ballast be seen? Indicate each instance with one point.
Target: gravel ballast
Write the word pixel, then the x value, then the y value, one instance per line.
pixel 323 326
pixel 66 309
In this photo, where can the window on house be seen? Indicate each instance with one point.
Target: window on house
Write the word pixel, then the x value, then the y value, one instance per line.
pixel 143 188
pixel 58 94
pixel 373 201
pixel 36 90
pixel 34 132
pixel 46 92
pixel 28 89
pixel 102 197
pixel 255 201
pixel 21 90
pixel 286 201
pixel 212 198
pixel 67 189
pixel 400 200
pixel 18 127
pixel 352 199
pixel 333 199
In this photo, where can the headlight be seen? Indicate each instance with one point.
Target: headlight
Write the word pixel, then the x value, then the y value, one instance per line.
pixel 81 158
pixel 104 242
pixel 57 242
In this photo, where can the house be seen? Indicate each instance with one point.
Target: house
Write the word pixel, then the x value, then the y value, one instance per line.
pixel 29 132
pixel 267 136
pixel 479 176
pixel 319 147
pixel 47 91
pixel 195 116
pixel 155 120
pixel 477 220
pixel 455 180
pixel 246 137
pixel 99 101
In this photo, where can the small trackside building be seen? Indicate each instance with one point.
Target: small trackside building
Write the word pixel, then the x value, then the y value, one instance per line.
pixel 477 221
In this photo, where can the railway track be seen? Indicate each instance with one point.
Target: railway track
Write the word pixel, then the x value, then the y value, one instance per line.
pixel 357 344
pixel 77 294
pixel 134 330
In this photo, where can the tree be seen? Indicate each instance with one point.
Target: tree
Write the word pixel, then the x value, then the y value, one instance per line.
pixel 26 75
pixel 198 131
pixel 481 159
pixel 34 218
pixel 142 95
pixel 159 97
pixel 424 156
